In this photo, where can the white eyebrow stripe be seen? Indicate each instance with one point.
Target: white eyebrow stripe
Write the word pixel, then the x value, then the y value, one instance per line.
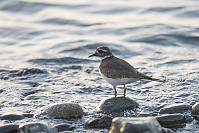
pixel 103 50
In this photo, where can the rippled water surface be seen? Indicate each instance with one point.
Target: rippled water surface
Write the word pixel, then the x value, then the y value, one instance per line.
pixel 44 48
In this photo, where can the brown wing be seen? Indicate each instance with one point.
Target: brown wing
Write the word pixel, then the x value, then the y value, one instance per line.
pixel 116 68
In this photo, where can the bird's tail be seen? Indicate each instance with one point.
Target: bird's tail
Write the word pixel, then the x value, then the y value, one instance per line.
pixel 154 79
pixel 150 78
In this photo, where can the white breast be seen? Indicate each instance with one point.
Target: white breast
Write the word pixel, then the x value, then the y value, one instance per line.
pixel 119 81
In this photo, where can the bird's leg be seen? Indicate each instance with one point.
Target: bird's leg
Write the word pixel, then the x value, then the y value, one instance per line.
pixel 115 91
pixel 124 90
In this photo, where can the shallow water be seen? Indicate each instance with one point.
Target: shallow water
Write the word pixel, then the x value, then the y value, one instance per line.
pixel 44 48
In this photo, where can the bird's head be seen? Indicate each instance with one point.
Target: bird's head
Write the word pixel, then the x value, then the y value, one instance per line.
pixel 102 52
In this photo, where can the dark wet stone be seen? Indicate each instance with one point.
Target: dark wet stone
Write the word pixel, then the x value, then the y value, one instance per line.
pixel 9 128
pixel 171 120
pixel 103 122
pixel 64 127
pixel 1 91
pixel 62 111
pixel 135 125
pixel 176 108
pixel 28 115
pixel 167 130
pixel 12 117
pixel 117 104
pixel 36 128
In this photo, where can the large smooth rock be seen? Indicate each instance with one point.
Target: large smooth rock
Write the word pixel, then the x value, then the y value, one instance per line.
pixel 9 128
pixel 176 108
pixel 135 125
pixel 62 111
pixel 171 120
pixel 117 104
pixel 103 122
pixel 36 128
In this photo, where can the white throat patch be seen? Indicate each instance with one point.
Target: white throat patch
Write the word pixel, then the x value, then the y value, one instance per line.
pixel 106 57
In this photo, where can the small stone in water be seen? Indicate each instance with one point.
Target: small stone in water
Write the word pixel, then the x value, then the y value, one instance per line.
pixel 117 104
pixel 103 122
pixel 176 108
pixel 62 111
pixel 171 120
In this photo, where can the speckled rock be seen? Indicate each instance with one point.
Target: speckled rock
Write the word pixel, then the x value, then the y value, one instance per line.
pixel 9 128
pixel 62 111
pixel 36 128
pixel 135 125
pixel 103 122
pixel 117 104
pixel 171 120
pixel 176 108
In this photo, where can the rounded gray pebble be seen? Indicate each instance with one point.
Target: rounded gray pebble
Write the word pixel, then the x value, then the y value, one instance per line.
pixel 171 120
pixel 176 108
pixel 62 111
pixel 117 104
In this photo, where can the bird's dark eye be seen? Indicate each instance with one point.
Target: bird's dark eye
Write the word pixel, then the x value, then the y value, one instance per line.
pixel 100 51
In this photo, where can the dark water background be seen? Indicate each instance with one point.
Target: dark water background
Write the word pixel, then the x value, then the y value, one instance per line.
pixel 44 48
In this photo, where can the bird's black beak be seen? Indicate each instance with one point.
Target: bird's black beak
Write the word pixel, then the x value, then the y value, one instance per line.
pixel 92 55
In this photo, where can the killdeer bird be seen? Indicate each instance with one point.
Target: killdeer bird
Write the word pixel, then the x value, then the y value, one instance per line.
pixel 117 71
